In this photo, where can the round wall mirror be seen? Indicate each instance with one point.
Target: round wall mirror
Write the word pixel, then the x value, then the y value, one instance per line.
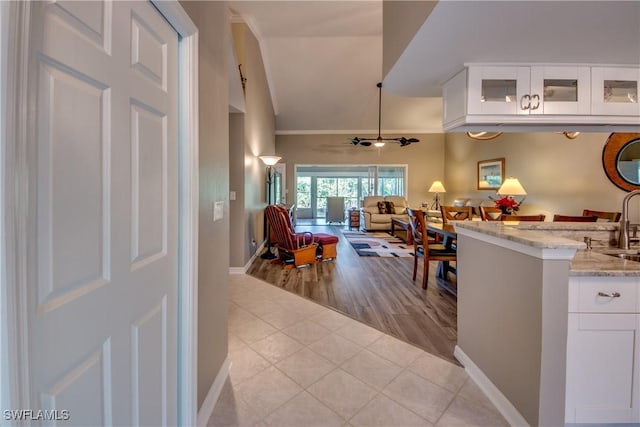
pixel 621 160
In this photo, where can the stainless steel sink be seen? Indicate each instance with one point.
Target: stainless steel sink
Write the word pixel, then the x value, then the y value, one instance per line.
pixel 629 257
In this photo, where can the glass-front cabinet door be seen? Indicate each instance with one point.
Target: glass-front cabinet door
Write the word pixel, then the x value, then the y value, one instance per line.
pixel 497 90
pixel 614 91
pixel 560 90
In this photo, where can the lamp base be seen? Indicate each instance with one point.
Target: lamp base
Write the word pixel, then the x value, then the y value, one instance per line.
pixel 436 203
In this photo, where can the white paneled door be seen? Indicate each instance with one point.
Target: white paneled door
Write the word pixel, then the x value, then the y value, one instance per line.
pixel 103 290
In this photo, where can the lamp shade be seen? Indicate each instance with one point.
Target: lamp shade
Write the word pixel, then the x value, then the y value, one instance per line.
pixel 511 187
pixel 270 160
pixel 437 187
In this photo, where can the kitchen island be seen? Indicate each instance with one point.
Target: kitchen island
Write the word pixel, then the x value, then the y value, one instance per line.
pixel 535 307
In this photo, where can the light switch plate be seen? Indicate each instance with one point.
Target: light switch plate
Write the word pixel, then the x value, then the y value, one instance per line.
pixel 232 195
pixel 218 210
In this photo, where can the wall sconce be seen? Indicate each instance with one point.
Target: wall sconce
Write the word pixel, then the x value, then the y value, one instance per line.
pixel 437 188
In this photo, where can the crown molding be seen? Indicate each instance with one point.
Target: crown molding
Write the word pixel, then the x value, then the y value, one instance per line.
pixel 354 132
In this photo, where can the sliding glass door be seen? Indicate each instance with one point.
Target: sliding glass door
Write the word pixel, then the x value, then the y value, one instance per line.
pixel 315 183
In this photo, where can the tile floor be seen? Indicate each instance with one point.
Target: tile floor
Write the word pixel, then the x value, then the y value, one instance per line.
pixel 297 363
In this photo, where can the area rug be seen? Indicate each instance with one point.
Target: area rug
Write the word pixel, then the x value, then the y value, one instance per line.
pixel 378 244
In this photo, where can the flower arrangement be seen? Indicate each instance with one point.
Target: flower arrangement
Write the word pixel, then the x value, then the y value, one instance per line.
pixel 508 205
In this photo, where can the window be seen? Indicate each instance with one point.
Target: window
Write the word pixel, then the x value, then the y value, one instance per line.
pixel 390 181
pixel 315 183
pixel 303 192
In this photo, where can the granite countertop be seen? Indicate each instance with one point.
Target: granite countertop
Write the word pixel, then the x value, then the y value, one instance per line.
pixel 537 237
pixel 541 235
pixel 592 263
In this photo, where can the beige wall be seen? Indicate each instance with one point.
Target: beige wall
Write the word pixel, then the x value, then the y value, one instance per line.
pixel 560 175
pixel 211 18
pixel 513 325
pixel 258 139
pixel 238 223
pixel 425 159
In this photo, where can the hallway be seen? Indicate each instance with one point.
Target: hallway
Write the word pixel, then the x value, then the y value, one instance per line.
pixel 295 363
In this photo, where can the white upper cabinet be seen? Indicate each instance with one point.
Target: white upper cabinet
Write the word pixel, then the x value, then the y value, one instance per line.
pixel 614 91
pixel 529 90
pixel 560 90
pixel 504 97
pixel 497 90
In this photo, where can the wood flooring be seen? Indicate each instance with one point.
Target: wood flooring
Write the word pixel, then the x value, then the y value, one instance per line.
pixel 376 291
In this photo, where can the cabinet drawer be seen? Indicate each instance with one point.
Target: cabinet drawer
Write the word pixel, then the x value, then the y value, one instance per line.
pixel 603 295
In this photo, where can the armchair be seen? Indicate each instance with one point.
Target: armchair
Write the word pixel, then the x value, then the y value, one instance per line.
pixel 298 248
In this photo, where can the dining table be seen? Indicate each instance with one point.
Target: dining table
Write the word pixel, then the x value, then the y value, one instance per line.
pixel 448 237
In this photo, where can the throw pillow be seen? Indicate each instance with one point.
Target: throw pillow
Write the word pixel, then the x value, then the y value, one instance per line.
pixel 390 207
pixel 382 208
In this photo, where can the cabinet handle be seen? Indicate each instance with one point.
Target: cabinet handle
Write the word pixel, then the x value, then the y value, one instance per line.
pixel 525 98
pixel 609 294
pixel 537 98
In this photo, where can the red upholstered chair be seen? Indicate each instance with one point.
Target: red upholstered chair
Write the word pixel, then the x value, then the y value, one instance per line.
pixel 300 248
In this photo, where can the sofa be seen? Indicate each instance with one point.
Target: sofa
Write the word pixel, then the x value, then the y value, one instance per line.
pixel 371 217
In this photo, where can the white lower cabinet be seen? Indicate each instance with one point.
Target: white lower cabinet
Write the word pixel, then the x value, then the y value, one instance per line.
pixel 603 351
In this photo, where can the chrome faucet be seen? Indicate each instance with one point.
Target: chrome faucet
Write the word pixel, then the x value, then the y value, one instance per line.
pixel 623 236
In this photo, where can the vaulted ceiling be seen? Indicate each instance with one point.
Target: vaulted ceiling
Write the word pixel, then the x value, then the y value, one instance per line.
pixel 324 58
pixel 323 61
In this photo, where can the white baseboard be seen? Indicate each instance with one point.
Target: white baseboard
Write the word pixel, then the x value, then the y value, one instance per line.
pixel 214 393
pixel 243 270
pixel 502 404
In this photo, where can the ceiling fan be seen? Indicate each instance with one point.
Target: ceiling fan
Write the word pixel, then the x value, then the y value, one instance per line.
pixel 380 141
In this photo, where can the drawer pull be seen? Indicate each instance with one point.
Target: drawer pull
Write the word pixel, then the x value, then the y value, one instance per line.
pixel 609 294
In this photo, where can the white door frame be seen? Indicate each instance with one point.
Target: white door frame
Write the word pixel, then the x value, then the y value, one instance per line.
pixel 17 210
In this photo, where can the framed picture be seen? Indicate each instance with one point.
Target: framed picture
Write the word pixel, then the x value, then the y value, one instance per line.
pixel 490 174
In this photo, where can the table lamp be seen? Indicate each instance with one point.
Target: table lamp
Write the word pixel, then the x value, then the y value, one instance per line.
pixel 437 188
pixel 511 187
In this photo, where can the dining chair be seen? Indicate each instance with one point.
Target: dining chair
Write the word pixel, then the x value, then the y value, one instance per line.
pixel 609 216
pixel 423 248
pixel 569 218
pixel 490 213
pixel 456 213
pixel 540 217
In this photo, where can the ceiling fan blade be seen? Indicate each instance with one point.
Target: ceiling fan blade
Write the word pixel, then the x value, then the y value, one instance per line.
pixel 365 143
pixel 355 141
pixel 413 140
